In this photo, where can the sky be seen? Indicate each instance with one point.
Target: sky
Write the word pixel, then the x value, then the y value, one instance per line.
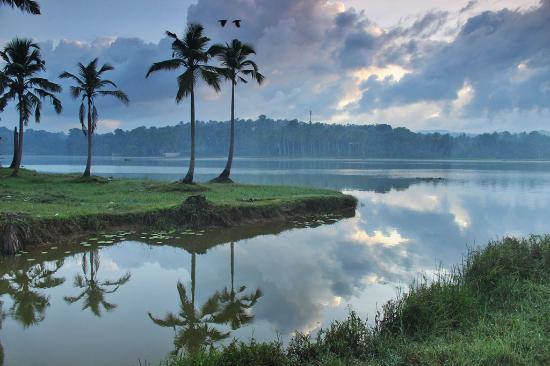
pixel 459 65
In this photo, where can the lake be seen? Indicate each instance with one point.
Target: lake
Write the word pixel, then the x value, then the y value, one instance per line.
pixel 96 304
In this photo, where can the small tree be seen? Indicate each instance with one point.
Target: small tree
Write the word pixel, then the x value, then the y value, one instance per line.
pixel 89 85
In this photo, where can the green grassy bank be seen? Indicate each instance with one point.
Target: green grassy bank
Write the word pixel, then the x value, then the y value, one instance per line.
pixel 493 309
pixel 47 206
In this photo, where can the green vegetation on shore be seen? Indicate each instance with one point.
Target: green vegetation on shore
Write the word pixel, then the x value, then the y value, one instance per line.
pixel 42 208
pixel 68 195
pixel 493 309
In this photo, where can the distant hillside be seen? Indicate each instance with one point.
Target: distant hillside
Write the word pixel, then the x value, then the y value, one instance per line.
pixel 265 137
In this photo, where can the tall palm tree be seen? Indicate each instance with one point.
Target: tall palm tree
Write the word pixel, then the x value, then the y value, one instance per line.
pixel 29 6
pixel 89 85
pixel 22 62
pixel 235 67
pixel 191 54
pixel 235 304
pixel 93 290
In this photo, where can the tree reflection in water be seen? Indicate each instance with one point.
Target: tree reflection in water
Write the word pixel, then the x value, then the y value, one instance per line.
pixel 93 290
pixel 195 327
pixel 236 304
pixel 23 287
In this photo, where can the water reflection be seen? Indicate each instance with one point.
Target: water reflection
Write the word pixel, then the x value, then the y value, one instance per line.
pixel 198 327
pixel 93 290
pixel 236 305
pixel 25 286
pixel 309 271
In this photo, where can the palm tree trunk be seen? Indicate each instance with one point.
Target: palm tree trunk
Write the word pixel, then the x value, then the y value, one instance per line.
pixel 189 176
pixel 19 156
pixel 87 171
pixel 15 147
pixel 224 176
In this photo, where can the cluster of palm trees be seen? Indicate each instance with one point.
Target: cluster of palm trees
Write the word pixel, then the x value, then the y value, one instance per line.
pixel 20 83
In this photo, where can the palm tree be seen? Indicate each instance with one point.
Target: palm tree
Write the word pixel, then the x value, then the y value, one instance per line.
pixel 89 85
pixel 23 285
pixel 196 328
pixel 235 67
pixel 22 62
pixel 93 290
pixel 28 6
pixel 235 304
pixel 191 54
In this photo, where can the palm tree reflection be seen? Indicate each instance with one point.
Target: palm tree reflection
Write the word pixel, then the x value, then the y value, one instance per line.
pixel 93 290
pixel 22 285
pixel 196 327
pixel 236 304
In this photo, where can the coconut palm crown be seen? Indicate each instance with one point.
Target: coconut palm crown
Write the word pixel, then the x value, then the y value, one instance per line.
pixel 190 54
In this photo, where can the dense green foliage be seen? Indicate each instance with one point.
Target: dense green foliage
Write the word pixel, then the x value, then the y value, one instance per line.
pixel 266 137
pixel 491 310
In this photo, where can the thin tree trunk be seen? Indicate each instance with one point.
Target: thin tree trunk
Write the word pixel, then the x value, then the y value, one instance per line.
pixel 190 173
pixel 88 169
pixel 15 147
pixel 20 144
pixel 224 176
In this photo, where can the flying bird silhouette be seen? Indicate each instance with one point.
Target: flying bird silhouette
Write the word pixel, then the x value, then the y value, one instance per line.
pixel 237 23
pixel 222 22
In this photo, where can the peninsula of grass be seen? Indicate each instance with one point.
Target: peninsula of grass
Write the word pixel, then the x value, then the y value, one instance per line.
pixel 493 309
pixel 45 207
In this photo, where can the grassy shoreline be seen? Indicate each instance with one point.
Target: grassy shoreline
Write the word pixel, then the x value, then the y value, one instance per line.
pixel 46 207
pixel 493 309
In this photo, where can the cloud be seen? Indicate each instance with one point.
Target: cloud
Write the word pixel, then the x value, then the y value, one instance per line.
pixel 444 67
pixel 488 54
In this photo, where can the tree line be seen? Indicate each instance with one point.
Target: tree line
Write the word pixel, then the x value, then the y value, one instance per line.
pixel 265 137
pixel 21 84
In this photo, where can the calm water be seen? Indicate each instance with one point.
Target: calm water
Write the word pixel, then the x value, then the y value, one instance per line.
pixel 92 305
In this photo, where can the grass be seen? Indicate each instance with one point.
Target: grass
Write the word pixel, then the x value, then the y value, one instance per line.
pixel 66 196
pixel 493 309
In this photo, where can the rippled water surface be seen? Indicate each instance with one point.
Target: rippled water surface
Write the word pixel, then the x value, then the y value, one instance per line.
pixel 104 301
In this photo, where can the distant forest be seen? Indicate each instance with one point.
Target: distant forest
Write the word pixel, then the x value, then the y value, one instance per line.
pixel 265 137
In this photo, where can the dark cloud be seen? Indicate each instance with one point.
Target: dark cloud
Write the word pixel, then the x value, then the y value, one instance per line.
pixel 498 53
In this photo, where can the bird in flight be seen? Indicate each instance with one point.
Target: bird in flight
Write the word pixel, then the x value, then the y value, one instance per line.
pixel 222 22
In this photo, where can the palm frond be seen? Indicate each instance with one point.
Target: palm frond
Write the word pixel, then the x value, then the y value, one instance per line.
pixel 186 81
pixel 211 77
pixel 104 68
pixel 81 114
pixel 119 94
pixel 68 75
pixel 172 64
pixel 29 6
